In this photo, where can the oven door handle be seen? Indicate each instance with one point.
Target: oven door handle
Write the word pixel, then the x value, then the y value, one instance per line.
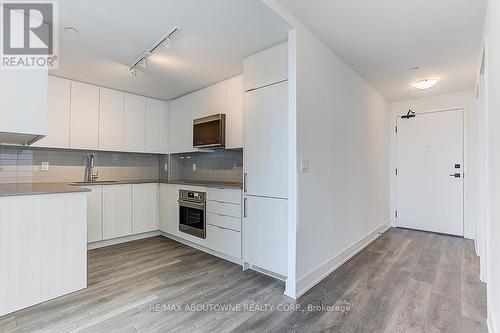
pixel 190 204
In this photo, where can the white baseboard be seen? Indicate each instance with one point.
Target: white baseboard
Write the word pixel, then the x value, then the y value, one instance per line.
pixel 108 242
pixel 237 261
pixel 491 323
pixel 314 277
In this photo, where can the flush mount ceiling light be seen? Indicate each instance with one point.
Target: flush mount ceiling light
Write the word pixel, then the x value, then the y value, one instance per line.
pixel 425 84
pixel 141 61
pixel 71 31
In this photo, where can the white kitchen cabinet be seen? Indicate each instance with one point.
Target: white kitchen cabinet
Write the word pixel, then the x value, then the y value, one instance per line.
pixel 84 125
pixel 180 124
pixel 134 123
pixel 266 141
pixel 23 105
pixel 266 234
pixel 155 126
pixel 174 211
pixel 43 248
pixel 182 111
pixel 117 211
pixel 266 67
pixel 234 113
pixel 145 208
pixel 164 209
pixel 59 97
pixel 224 240
pixel 94 214
pixel 224 221
pixel 165 135
pixel 224 208
pixel 111 119
pixel 227 195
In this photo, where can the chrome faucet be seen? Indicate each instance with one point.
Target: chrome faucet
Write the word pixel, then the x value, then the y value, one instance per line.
pixel 90 176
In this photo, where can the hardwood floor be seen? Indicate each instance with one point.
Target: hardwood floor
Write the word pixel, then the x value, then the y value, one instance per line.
pixel 406 281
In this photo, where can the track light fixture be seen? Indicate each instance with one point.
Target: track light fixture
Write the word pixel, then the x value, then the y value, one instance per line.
pixel 141 61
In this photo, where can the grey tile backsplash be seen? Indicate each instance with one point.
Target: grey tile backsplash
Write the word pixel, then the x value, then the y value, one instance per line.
pixel 214 166
pixel 23 165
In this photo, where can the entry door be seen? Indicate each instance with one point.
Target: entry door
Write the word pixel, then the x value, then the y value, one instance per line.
pixel 430 172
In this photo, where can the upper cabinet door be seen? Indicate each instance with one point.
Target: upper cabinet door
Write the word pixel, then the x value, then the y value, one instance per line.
pixel 155 126
pixel 111 120
pixel 23 102
pixel 266 67
pixel 134 126
pixel 84 129
pixel 59 97
pixel 180 124
pixel 266 141
pixel 234 113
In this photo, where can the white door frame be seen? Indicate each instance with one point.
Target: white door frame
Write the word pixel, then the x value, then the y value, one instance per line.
pixel 465 164
pixel 483 166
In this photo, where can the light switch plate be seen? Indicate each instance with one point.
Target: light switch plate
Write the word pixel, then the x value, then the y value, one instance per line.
pixel 304 165
pixel 166 167
pixel 45 166
pixel 194 166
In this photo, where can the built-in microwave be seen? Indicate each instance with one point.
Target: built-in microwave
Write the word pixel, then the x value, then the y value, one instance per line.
pixel 210 132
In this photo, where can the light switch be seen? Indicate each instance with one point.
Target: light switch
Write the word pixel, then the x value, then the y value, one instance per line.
pixel 45 166
pixel 304 165
pixel 166 167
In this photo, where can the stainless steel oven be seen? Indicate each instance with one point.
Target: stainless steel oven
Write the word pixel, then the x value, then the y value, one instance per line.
pixel 210 132
pixel 192 216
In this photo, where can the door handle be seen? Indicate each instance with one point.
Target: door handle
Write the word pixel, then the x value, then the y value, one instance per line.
pixel 245 176
pixel 456 175
pixel 245 208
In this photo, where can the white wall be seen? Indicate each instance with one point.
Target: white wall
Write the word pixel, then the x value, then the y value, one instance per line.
pixel 492 80
pixel 467 101
pixel 341 128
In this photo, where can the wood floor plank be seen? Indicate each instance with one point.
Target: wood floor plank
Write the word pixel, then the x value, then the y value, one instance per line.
pixel 443 314
pixel 410 314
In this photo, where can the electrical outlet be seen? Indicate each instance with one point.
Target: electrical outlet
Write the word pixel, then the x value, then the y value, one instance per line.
pixel 45 166
pixel 194 166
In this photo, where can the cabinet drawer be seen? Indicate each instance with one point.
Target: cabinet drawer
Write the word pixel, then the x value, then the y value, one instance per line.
pixel 224 240
pixel 224 221
pixel 223 208
pixel 224 195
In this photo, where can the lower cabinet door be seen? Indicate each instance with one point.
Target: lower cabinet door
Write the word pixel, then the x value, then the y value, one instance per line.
pixel 94 214
pixel 164 208
pixel 117 211
pixel 224 240
pixel 144 208
pixel 265 233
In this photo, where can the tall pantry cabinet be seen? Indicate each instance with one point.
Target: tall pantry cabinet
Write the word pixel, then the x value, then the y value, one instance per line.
pixel 266 160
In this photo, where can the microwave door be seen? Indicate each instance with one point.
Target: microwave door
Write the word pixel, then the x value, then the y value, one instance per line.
pixel 209 131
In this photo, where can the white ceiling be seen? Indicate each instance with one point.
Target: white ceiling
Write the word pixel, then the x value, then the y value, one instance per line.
pixel 382 39
pixel 215 36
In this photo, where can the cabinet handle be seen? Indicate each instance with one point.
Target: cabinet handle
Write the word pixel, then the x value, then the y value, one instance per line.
pixel 245 208
pixel 245 176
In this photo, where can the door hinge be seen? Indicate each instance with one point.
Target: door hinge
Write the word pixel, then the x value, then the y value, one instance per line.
pixel 396 171
pixel 396 214
pixel 396 129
